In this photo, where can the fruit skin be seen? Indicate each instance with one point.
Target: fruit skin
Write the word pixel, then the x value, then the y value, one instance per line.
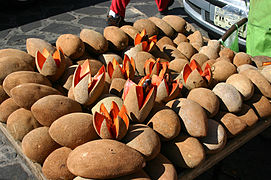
pixel 221 70
pixel 192 116
pixel 104 159
pixel 94 41
pixel 163 26
pixel 230 97
pixel 38 144
pixel 55 166
pixel 116 37
pixel 147 24
pixel 176 22
pixel 241 58
pixel 35 44
pixel 6 108
pixel 71 45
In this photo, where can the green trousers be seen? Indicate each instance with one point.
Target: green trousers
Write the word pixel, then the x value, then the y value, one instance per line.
pixel 258 40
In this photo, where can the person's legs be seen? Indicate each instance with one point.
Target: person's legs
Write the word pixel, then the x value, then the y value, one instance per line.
pixel 119 6
pixel 163 5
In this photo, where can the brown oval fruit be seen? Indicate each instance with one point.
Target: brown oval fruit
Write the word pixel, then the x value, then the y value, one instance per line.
pixel 200 58
pixel 161 168
pixel 11 64
pixel 242 84
pixel 55 165
pixel 206 98
pixel 117 37
pixel 221 70
pixel 95 41
pixel 163 26
pixel 131 32
pixel 177 65
pixel 261 105
pixel 166 124
pixel 192 115
pixel 186 49
pixel 6 108
pixel 259 81
pixel 209 51
pixel 176 22
pixel 104 159
pixel 49 108
pixel 16 53
pixel 184 151
pixel 151 28
pixel 25 95
pixel 227 52
pixel 180 38
pixel 248 115
pixel 241 58
pixel 143 139
pixel 74 129
pixel 164 41
pixel 230 97
pixel 38 144
pixel 21 122
pixel 71 45
pixel 16 78
pixel 35 44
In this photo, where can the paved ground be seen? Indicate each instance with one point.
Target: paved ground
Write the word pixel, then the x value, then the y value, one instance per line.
pixel 47 19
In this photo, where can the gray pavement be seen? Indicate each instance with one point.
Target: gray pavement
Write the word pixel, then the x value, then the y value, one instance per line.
pixel 47 19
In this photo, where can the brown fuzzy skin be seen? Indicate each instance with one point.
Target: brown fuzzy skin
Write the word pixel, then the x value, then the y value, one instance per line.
pixel 25 95
pixel 261 105
pixel 116 37
pixel 241 58
pixel 230 97
pixel 74 129
pixel 221 70
pixel 200 58
pixel 192 116
pixel 245 67
pixel 104 159
pixel 248 115
pixel 21 122
pixel 210 62
pixel 3 94
pixel 66 79
pixel 180 38
pixel 71 45
pixel 49 108
pixel 215 44
pixel 95 41
pixel 35 44
pixel 227 52
pixel 12 64
pixel 166 124
pixel 223 59
pixel 173 52
pixel 139 175
pixel 131 32
pixel 163 26
pixel 184 151
pixel 216 137
pixel 232 123
pixel 117 86
pixel 141 58
pixel 176 22
pixel 176 66
pixel 242 84
pixel 131 104
pixel 209 51
pixel 206 98
pixel 186 49
pixel 151 28
pixel 6 108
pixel 196 37
pixel 38 144
pixel 143 139
pixel 258 60
pixel 161 168
pixel 163 41
pixel 16 78
pixel 259 81
pixel 108 57
pixel 16 53
pixel 195 80
pixel 55 165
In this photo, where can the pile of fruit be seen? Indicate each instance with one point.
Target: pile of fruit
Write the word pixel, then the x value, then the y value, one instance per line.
pixel 136 102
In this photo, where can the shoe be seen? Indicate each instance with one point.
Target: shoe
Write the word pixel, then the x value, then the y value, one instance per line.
pixel 115 21
pixel 165 11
